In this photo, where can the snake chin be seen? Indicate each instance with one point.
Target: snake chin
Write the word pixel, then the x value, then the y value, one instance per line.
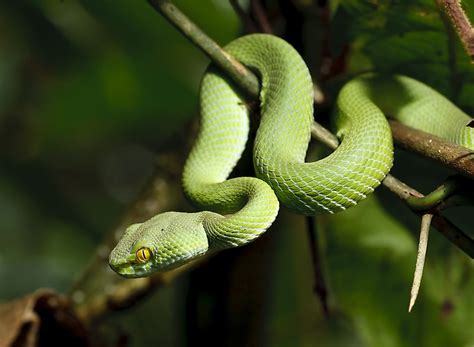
pixel 131 270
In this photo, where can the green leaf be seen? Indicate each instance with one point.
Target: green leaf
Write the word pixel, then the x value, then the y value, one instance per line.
pixel 406 37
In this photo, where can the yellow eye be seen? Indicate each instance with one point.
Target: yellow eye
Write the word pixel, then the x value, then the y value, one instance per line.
pixel 143 255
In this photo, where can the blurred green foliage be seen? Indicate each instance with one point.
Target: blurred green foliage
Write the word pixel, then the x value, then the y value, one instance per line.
pixel 89 90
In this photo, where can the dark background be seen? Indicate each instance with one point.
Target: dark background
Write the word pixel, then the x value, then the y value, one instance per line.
pixel 91 90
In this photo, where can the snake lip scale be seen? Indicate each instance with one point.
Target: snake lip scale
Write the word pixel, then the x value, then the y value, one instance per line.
pixel 236 211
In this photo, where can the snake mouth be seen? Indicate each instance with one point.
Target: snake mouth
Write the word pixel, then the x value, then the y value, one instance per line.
pixel 131 270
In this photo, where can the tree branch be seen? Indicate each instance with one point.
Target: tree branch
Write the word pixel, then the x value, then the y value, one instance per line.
pixel 461 24
pixel 450 154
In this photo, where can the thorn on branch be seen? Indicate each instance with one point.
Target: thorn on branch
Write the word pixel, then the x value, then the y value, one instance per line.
pixel 420 258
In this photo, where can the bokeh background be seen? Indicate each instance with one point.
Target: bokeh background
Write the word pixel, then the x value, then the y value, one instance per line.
pixel 90 93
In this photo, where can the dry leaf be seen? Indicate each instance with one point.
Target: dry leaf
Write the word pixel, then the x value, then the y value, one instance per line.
pixel 43 318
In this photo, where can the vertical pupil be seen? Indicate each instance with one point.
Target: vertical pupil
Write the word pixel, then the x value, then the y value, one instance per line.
pixel 143 254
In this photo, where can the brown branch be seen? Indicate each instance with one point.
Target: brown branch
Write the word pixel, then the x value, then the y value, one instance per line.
pixel 452 53
pixel 461 24
pixel 451 155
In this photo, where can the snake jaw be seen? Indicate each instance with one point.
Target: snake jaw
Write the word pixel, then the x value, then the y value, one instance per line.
pixel 130 269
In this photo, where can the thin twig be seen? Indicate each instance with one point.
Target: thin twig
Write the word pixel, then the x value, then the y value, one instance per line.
pixel 238 72
pixel 320 286
pixel 461 24
pixel 260 17
pixel 325 136
pixel 420 258
pixel 249 82
pixel 249 25
pixel 454 234
pixel 452 52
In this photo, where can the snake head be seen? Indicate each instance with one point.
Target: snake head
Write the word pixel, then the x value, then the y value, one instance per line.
pixel 162 243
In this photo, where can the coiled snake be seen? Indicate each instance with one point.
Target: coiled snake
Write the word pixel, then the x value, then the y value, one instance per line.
pixel 244 207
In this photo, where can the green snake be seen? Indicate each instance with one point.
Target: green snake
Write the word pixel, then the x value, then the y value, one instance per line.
pixel 245 207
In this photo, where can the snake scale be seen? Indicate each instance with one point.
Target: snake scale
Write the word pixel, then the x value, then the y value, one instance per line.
pixel 245 207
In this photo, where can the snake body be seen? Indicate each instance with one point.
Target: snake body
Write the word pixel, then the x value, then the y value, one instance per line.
pixel 244 207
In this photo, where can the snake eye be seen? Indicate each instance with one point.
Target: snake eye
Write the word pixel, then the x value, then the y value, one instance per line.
pixel 142 255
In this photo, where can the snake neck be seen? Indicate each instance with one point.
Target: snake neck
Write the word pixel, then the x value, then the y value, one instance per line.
pixel 248 206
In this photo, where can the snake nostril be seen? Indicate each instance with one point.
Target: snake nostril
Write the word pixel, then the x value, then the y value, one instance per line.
pixel 470 124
